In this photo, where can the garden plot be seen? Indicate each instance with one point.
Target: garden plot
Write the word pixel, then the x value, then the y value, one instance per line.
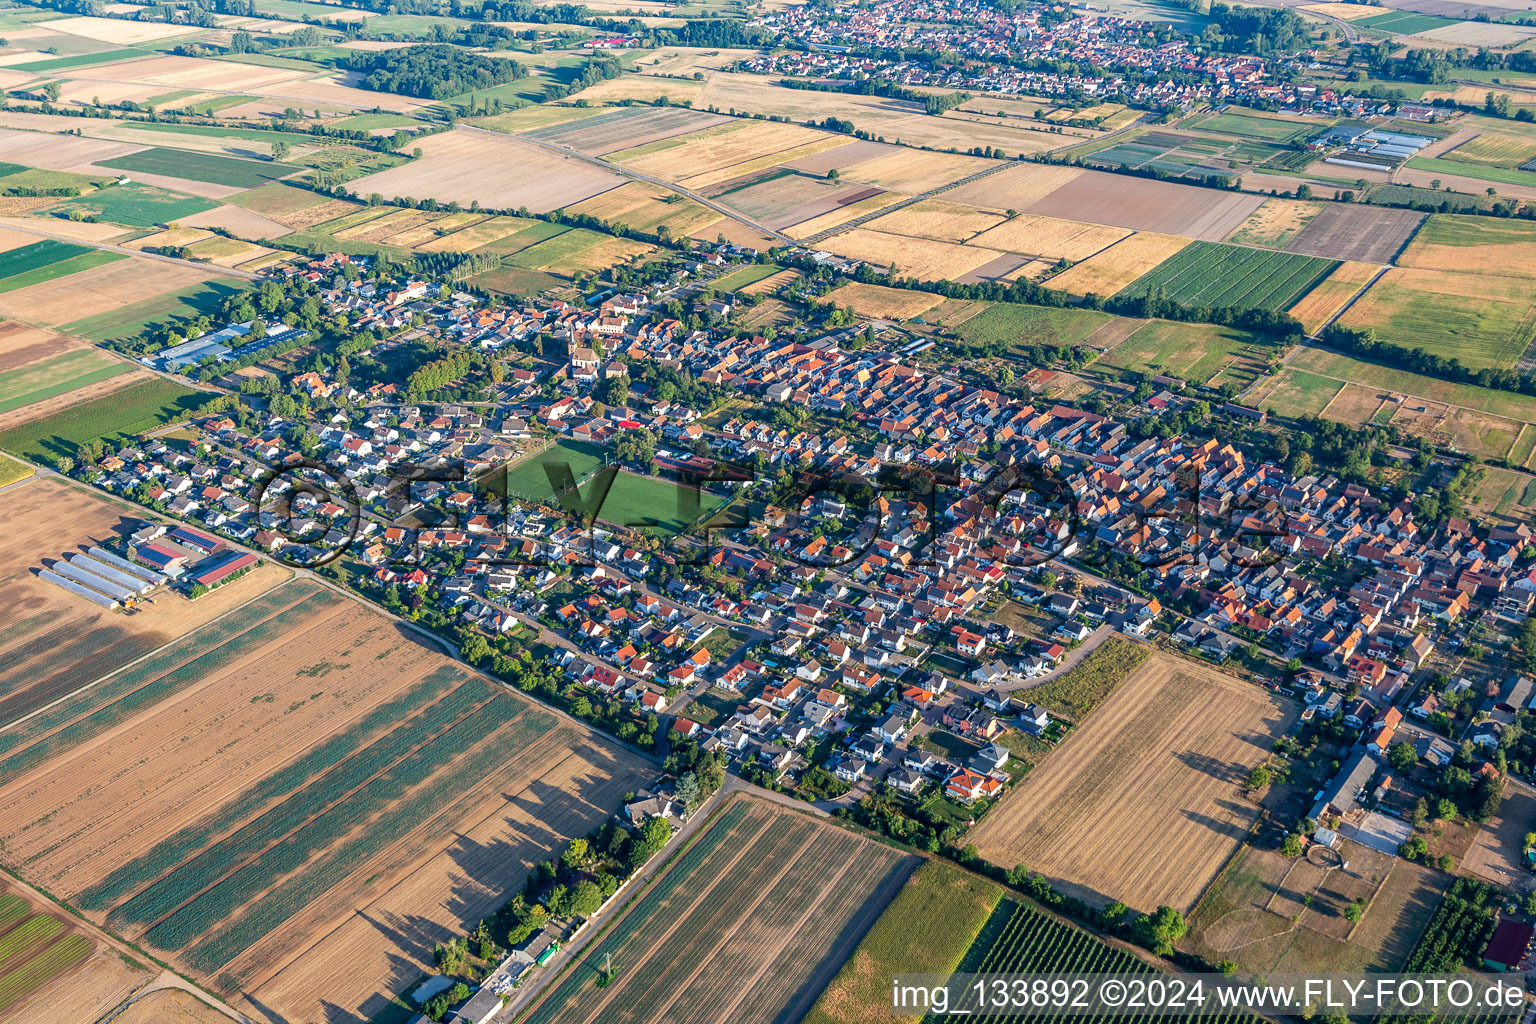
pixel 1158 766
pixel 468 166
pixel 626 127
pixel 746 924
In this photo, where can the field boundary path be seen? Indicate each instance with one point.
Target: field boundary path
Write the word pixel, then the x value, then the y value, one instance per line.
pixel 11 224
pixel 629 173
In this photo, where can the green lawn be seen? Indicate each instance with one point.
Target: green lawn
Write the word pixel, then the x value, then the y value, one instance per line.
pixel 117 416
pixel 216 170
pixel 748 275
pixel 1196 353
pixel 1018 327
pixel 1213 274
pixel 370 122
pixel 48 378
pixel 632 501
pixel 64 268
pixel 132 319
pixel 136 205
pixel 1482 172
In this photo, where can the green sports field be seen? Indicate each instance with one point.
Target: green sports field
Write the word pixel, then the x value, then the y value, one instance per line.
pixel 632 501
pixel 117 416
pixel 216 170
pixel 55 376
pixel 1213 274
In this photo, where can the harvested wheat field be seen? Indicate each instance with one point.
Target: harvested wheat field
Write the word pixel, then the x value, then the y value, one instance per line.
pixel 237 220
pixel 192 73
pixel 1143 204
pixel 76 396
pixel 1328 297
pixel 1157 768
pixel 1050 237
pixel 59 152
pixel 414 799
pixel 882 302
pixel 54 642
pixel 914 170
pixel 1118 266
pixel 920 258
pixel 170 1006
pixel 939 220
pixel 500 172
pixel 1015 187
pixel 646 207
pixel 837 218
pixel 97 290
pixel 477 235
pixel 112 30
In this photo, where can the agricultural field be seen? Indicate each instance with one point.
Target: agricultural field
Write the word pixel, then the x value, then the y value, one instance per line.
pixel 216 170
pixel 38 950
pixel 1295 393
pixel 1120 265
pixel 170 1006
pixel 626 128
pixel 926 929
pixel 1211 274
pixel 1369 234
pixel 922 259
pixel 48 261
pixel 1158 766
pixel 1254 126
pixel 12 471
pixel 717 155
pixel 1204 354
pixel 1318 306
pixel 876 300
pixel 111 300
pixel 56 375
pixel 1480 319
pixel 1275 223
pixel 262 772
pixel 647 207
pixel 1015 327
pixel 1268 912
pixel 1469 244
pixel 1140 204
pixel 464 166
pixel 117 415
pixel 1477 172
pixel 743 925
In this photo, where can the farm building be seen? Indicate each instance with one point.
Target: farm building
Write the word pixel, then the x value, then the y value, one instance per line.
pixel 123 565
pixel 222 568
pixel 107 572
pixel 1507 947
pixel 77 589
pixel 198 541
pixel 93 581
pixel 162 559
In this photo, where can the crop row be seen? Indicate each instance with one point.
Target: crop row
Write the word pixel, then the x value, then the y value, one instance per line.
pixel 96 701
pixel 424 781
pixel 656 906
pixel 54 961
pixel 292 813
pixel 38 254
pixel 12 909
pixel 1212 274
pixel 171 851
pixel 31 935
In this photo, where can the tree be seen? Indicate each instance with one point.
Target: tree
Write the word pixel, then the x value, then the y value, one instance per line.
pixel 687 791
pixel 576 854
pixel 586 899
pixel 475 649
pixel 1258 778
pixel 1291 845
pixel 1414 848
pixel 1160 930
pixel 1401 756
pixel 1354 912
pixel 279 151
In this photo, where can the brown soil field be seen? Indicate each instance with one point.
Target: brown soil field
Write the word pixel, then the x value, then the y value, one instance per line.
pixel 846 155
pixel 57 642
pixel 1275 223
pixel 170 1006
pixel 1354 405
pixel 97 290
pixel 1158 767
pixel 466 166
pixel 628 127
pixel 59 152
pixel 879 301
pixel 1119 265
pixel 236 220
pixel 921 258
pixel 1330 294
pixel 1050 237
pixel 1370 234
pixel 1482 434
pixel 20 345
pixel 735 232
pixel 939 220
pixel 1143 204
pixel 1418 417
pixel 1496 854
pixel 90 392
pixel 182 766
pixel 1014 188
pixel 913 171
